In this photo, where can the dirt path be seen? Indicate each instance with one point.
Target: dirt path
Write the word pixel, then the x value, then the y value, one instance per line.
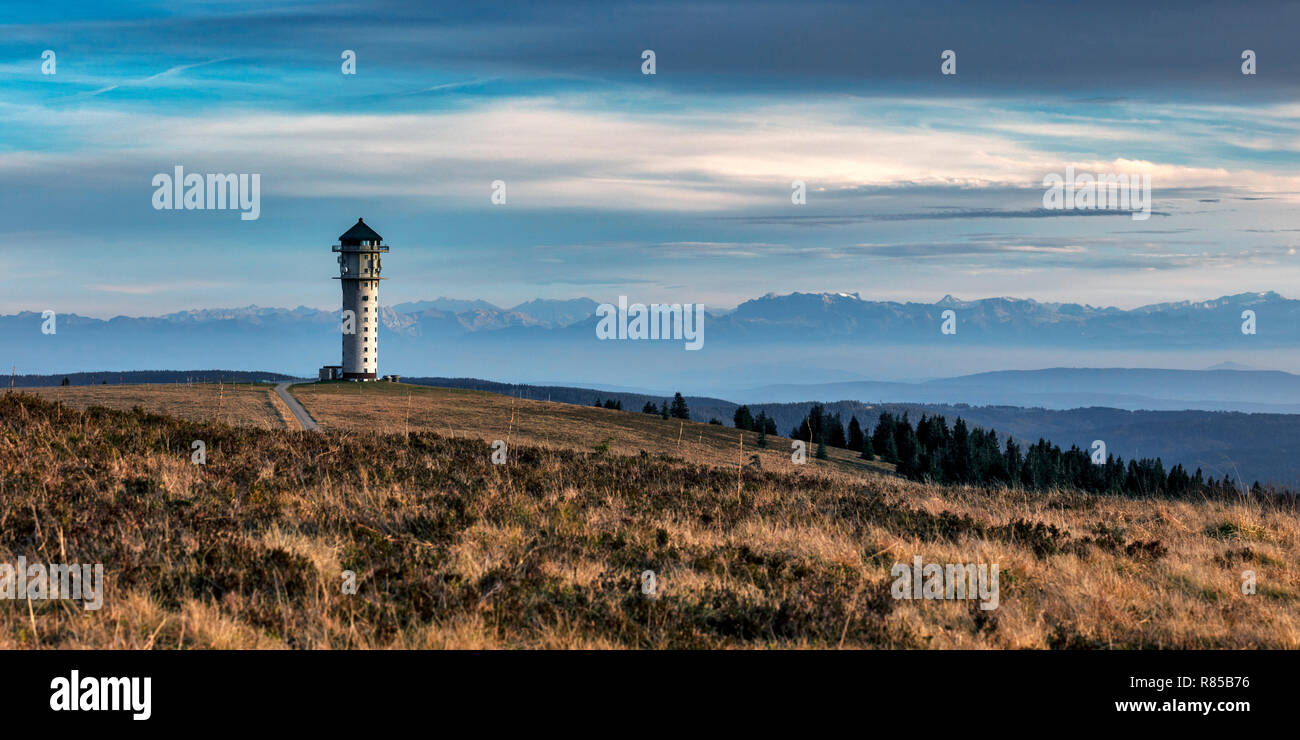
pixel 300 413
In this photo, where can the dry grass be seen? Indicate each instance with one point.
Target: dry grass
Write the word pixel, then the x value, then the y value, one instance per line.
pixel 249 404
pixel 451 551
pixel 454 412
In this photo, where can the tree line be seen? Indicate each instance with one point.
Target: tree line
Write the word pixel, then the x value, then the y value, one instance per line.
pixel 932 451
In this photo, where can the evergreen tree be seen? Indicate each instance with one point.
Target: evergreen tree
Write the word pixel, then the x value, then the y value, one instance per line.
pixel 663 410
pixel 813 426
pixel 1012 461
pixel 649 408
pixel 821 448
pixel 598 404
pixel 855 435
pixel 835 432
pixel 762 431
pixel 973 455
pixel 882 438
pixel 679 410
pixel 961 453
pixel 744 419
pixel 66 382
pixel 770 426
pixel 908 447
pixel 817 418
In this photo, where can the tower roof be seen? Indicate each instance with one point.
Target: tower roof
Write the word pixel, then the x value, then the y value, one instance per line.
pixel 360 232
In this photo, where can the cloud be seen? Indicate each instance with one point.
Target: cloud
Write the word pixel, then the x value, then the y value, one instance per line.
pixel 171 286
pixel 565 152
pixel 1004 47
pixel 943 215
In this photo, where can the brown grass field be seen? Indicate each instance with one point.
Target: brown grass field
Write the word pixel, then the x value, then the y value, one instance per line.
pixel 399 407
pixel 546 551
pixel 248 404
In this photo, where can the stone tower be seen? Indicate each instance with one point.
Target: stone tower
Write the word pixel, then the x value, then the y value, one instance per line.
pixel 359 265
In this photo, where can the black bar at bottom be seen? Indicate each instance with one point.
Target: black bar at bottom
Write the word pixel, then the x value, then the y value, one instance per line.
pixel 1014 692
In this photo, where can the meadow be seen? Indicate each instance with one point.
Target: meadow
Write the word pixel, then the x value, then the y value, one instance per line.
pixel 549 550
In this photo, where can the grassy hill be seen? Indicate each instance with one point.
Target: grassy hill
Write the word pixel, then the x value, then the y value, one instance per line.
pixel 548 550
pixel 453 412
pixel 250 404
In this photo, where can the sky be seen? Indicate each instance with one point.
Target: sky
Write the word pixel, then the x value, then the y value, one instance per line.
pixel 672 187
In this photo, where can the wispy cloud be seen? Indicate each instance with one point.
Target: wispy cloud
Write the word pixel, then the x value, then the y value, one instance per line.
pixel 171 73
pixel 172 286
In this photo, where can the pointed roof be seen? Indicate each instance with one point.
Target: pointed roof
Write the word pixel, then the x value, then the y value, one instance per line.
pixel 360 232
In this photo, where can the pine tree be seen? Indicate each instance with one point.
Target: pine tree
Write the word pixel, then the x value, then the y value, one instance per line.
pixel 882 438
pixel 961 452
pixel 821 447
pixel 866 450
pixel 649 408
pixel 744 419
pixel 1012 461
pixel 908 447
pixel 817 421
pixel 855 435
pixel 679 410
pixel 762 432
pixel 813 425
pixel 835 431
pixel 663 410
pixel 770 426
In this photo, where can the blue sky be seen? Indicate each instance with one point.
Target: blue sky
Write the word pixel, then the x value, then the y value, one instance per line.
pixel 671 187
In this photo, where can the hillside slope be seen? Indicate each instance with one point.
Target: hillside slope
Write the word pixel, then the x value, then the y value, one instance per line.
pixel 394 407
pixel 549 549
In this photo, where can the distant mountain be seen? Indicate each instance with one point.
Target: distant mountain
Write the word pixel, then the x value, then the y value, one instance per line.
pixel 547 313
pixel 813 318
pixel 247 313
pixel 555 313
pixel 432 322
pixel 452 305
pixel 796 338
pixel 1066 388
